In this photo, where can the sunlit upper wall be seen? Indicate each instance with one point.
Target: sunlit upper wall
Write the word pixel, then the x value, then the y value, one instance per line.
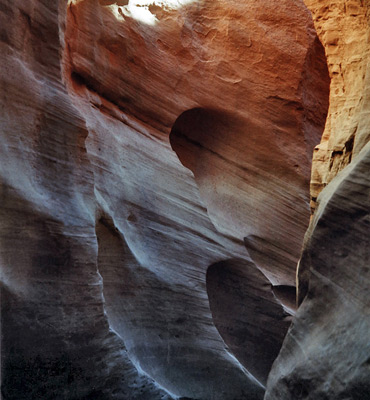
pixel 141 10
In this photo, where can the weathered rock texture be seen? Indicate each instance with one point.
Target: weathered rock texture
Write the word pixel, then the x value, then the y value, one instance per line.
pixel 56 340
pixel 343 28
pixel 221 85
pixel 139 160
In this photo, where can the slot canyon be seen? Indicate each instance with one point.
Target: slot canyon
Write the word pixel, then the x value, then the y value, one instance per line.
pixel 185 199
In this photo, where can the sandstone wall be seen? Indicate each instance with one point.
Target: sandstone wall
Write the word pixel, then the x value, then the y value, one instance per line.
pixel 343 28
pixel 139 159
pixel 326 352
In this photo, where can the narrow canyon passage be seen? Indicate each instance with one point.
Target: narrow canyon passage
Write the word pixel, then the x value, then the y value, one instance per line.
pixel 161 178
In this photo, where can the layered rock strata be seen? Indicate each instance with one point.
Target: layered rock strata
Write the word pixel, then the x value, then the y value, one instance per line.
pixel 344 30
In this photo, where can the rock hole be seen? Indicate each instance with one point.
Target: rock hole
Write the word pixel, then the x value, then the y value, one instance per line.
pixel 215 146
pixel 246 184
pixel 197 133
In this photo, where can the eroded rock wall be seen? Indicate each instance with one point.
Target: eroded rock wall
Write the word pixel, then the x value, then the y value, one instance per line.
pixel 326 352
pixel 56 339
pixel 250 129
pixel 343 28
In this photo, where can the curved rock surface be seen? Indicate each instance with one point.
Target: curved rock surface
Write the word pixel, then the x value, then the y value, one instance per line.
pixel 326 354
pixel 246 314
pixel 219 83
pixel 344 30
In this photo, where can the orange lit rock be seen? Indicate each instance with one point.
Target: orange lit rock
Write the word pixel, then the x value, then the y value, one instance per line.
pixel 245 94
pixel 343 28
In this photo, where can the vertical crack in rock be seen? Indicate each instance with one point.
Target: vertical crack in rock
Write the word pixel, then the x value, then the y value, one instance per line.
pixel 314 91
pixel 344 32
pixel 325 353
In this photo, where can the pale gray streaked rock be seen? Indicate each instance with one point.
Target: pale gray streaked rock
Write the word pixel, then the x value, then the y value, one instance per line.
pixel 56 342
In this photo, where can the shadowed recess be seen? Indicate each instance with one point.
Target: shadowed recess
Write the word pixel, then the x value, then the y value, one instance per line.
pixel 246 314
pixel 287 297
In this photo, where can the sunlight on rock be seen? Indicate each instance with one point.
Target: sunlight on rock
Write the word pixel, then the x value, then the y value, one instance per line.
pixel 141 12
pixel 141 9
